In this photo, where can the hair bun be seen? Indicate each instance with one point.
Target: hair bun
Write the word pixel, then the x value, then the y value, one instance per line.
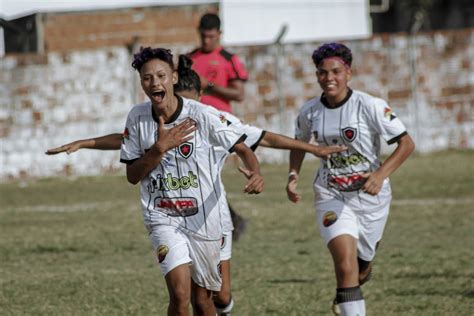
pixel 184 63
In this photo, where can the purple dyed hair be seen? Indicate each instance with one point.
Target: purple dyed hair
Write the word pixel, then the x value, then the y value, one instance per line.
pixel 332 50
pixel 147 53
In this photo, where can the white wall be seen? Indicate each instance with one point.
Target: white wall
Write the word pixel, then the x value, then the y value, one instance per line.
pixel 258 22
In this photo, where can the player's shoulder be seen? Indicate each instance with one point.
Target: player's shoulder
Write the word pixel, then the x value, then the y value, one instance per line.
pixel 193 52
pixel 368 101
pixel 195 108
pixel 227 55
pixel 140 109
pixel 311 105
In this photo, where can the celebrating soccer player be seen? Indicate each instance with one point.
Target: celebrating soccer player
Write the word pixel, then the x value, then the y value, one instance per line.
pixel 352 190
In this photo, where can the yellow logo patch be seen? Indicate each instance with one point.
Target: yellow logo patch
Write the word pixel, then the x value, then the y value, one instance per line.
pixel 161 253
pixel 329 218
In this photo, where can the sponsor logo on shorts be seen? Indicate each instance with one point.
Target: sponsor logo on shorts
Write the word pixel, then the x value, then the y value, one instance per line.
pixel 352 182
pixel 177 206
pixel 186 150
pixel 329 218
pixel 161 253
pixel 349 133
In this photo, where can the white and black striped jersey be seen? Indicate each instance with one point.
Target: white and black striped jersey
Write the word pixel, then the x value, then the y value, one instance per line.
pixel 185 188
pixel 357 122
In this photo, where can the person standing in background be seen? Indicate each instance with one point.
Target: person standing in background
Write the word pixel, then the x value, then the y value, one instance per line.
pixel 222 76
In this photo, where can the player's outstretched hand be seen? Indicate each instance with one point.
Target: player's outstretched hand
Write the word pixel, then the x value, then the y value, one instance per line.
pixel 254 183
pixel 293 196
pixel 326 151
pixel 373 184
pixel 173 137
pixel 68 148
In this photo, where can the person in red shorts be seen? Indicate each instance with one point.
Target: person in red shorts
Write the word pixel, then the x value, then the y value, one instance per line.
pixel 222 77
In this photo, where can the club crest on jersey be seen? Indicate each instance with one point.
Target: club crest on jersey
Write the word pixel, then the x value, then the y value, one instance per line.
pixel 349 133
pixel 161 253
pixel 329 218
pixel 388 113
pixel 185 150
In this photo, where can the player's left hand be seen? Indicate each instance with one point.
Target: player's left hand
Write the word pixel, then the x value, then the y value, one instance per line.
pixel 68 148
pixel 374 182
pixel 255 181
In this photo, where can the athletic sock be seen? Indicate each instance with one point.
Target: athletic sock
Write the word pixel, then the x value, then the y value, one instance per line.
pixel 350 301
pixel 224 309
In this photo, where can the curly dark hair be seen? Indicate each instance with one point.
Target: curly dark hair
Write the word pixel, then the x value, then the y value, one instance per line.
pixel 332 50
pixel 188 78
pixel 147 53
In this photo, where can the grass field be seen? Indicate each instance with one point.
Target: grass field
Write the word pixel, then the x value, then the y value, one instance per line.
pixel 77 246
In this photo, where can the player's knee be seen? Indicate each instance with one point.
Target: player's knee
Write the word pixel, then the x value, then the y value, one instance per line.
pixel 346 268
pixel 223 297
pixel 180 297
pixel 202 303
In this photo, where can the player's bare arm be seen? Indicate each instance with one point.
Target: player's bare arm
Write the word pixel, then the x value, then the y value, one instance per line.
pixel 273 140
pixel 168 139
pixel 235 90
pixel 296 160
pixel 375 179
pixel 107 142
pixel 255 181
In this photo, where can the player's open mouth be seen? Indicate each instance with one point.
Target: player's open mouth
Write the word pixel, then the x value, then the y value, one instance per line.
pixel 158 96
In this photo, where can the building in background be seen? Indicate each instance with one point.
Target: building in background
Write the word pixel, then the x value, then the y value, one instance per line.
pixel 67 75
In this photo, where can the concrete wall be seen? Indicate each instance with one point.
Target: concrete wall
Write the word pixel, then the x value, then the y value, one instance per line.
pixel 48 100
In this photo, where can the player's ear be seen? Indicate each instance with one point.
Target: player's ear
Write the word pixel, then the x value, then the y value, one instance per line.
pixel 349 74
pixel 175 77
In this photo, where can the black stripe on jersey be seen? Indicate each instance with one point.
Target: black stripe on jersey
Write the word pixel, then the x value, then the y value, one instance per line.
pixel 240 140
pixel 128 162
pixel 210 152
pixel 202 197
pixel 177 168
pixel 324 128
pixel 359 143
pixel 139 132
pixel 254 146
pixel 342 136
pixel 397 138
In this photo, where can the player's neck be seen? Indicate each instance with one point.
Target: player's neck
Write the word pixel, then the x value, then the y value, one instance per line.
pixel 167 110
pixel 333 102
